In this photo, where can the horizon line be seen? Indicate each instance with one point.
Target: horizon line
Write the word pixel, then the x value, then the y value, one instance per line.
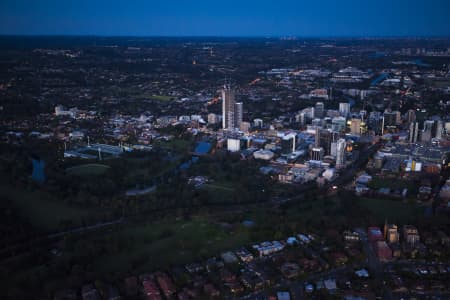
pixel 393 36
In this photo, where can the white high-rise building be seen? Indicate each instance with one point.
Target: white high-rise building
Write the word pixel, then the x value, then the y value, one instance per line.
pixel 344 109
pixel 228 108
pixel 340 153
pixel 427 132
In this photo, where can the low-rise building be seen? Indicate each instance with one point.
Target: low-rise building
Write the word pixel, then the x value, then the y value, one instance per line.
pixel 351 236
pixel 267 248
pixel 244 255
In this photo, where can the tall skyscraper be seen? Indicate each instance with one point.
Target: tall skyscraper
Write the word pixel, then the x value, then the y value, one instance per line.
pixel 324 138
pixel 410 116
pixel 317 138
pixel 391 233
pixel 232 112
pixel 228 108
pixel 340 153
pixel 344 109
pixel 439 129
pixel 288 143
pixel 238 114
pixel 355 126
pixel 413 132
pixel 375 122
pixel 427 132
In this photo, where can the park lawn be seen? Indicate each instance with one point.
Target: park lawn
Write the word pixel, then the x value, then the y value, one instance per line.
pixel 42 210
pixel 219 192
pixel 138 94
pixel 392 210
pixel 175 144
pixel 168 166
pixel 88 170
pixel 305 210
pixel 398 184
pixel 163 244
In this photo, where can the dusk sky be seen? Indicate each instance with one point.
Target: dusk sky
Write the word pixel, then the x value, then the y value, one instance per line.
pixel 226 18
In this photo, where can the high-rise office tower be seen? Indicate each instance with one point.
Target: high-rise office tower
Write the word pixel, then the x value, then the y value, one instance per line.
pixel 410 116
pixel 427 132
pixel 325 138
pixel 317 137
pixel 439 129
pixel 398 117
pixel 355 126
pixel 340 153
pixel 288 143
pixel 238 112
pixel 344 109
pixel 375 121
pixel 319 110
pixel 413 132
pixel 391 233
pixel 228 108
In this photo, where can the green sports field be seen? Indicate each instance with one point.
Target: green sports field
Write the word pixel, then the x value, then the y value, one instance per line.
pixel 88 170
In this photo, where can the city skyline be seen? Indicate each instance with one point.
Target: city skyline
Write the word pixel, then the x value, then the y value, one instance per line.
pixel 224 149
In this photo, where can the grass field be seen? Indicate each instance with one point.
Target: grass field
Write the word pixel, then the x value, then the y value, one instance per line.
pixel 178 145
pixel 392 210
pixel 42 210
pixel 219 192
pixel 163 244
pixel 162 98
pixel 88 170
pixel 378 183
pixel 138 93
